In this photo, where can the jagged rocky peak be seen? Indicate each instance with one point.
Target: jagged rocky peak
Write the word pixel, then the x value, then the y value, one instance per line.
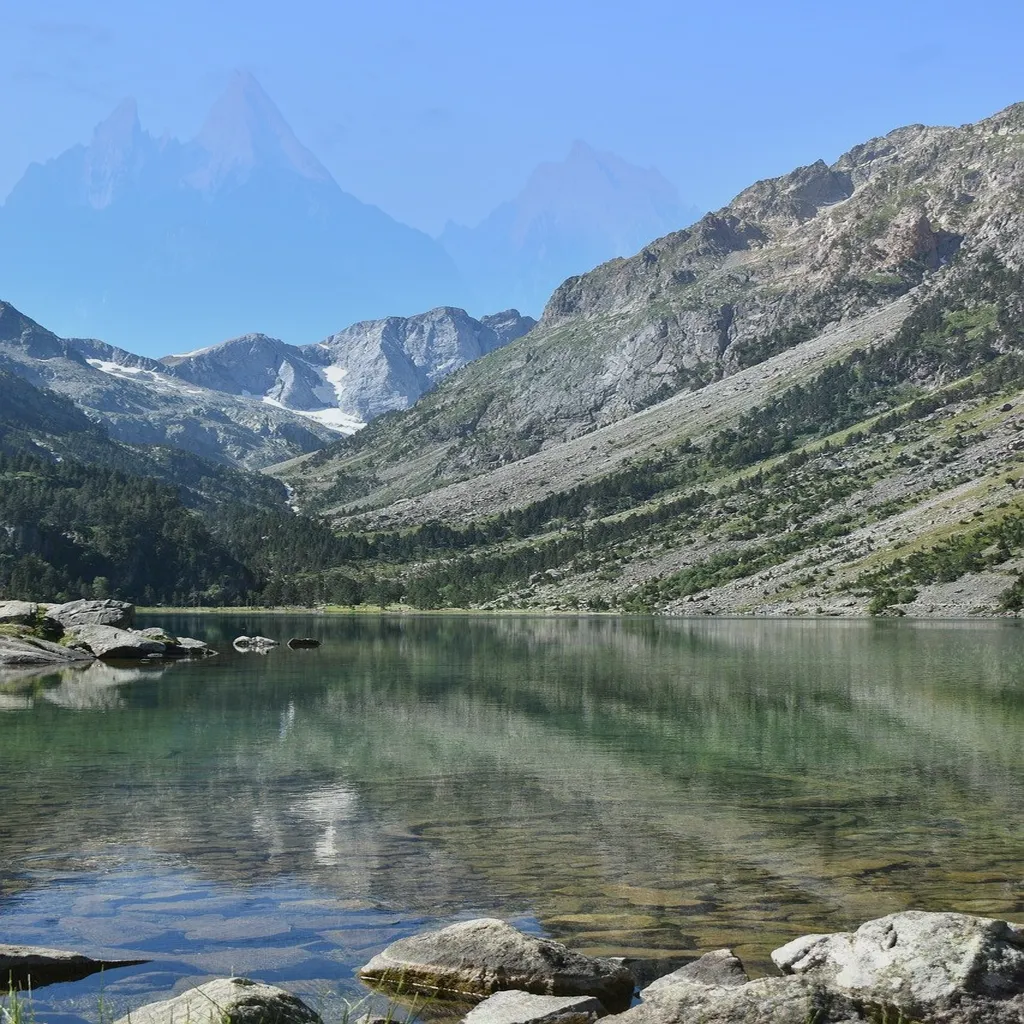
pixel 245 130
pixel 117 152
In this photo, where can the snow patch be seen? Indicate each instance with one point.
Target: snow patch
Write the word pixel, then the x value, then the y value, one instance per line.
pixel 150 377
pixel 333 419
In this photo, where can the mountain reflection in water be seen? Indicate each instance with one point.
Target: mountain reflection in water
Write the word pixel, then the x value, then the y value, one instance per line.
pixel 636 786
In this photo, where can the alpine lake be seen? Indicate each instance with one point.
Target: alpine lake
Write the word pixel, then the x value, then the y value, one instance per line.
pixel 639 787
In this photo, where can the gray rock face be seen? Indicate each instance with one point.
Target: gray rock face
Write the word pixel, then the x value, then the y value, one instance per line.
pixel 27 651
pixel 21 966
pixel 513 1007
pixel 20 612
pixel 474 959
pixel 110 642
pixel 119 614
pixel 923 962
pixel 370 368
pixel 227 1001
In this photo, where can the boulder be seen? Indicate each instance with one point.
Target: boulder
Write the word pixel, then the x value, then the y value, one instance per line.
pixel 923 963
pixel 187 647
pixel 109 642
pixel 23 967
pixel 22 613
pixel 514 1007
pixel 254 643
pixel 16 652
pixel 94 613
pixel 227 1001
pixel 299 642
pixel 474 959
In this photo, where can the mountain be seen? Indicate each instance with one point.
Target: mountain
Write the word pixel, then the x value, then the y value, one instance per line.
pixel 354 375
pixel 138 402
pixel 161 244
pixel 569 217
pixel 809 401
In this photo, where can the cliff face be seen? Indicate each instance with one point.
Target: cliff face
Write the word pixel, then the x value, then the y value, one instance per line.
pixel 788 260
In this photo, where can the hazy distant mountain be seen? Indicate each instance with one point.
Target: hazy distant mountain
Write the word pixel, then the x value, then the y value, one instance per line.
pixel 570 217
pixel 157 244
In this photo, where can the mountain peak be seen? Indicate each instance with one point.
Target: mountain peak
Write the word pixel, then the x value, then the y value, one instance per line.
pixel 244 130
pixel 116 153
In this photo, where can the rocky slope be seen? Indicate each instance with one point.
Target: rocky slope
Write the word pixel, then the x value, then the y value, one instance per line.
pixel 805 403
pixel 164 243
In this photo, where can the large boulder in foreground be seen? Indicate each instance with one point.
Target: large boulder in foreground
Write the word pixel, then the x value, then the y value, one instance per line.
pixel 227 1001
pixel 23 967
pixel 474 959
pixel 923 963
pixel 514 1007
pixel 109 642
pixel 910 967
pixel 119 614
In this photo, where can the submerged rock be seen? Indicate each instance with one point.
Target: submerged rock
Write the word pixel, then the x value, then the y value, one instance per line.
pixel 227 1001
pixel 474 959
pixel 119 614
pixel 22 967
pixel 298 642
pixel 515 1007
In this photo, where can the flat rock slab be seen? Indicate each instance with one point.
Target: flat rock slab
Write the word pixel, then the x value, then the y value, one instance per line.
pixel 24 613
pixel 22 967
pixel 513 1007
pixel 474 959
pixel 110 642
pixel 94 613
pixel 227 1001
pixel 18 651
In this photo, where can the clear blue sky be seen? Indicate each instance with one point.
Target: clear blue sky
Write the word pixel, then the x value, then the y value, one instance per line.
pixel 440 109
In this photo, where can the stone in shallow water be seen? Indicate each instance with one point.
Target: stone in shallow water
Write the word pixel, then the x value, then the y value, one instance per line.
pixel 22 966
pixel 513 1007
pixel 474 959
pixel 227 1001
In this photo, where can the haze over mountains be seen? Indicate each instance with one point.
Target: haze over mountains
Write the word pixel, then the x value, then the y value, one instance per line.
pixel 569 217
pixel 157 245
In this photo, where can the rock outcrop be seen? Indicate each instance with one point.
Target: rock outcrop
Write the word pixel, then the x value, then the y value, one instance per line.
pixel 474 959
pixel 118 614
pixel 227 1001
pixel 22 967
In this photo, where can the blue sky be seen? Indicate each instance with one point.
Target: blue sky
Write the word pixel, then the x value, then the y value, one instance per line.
pixel 440 109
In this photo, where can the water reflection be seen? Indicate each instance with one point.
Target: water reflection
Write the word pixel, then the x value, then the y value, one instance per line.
pixel 635 786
